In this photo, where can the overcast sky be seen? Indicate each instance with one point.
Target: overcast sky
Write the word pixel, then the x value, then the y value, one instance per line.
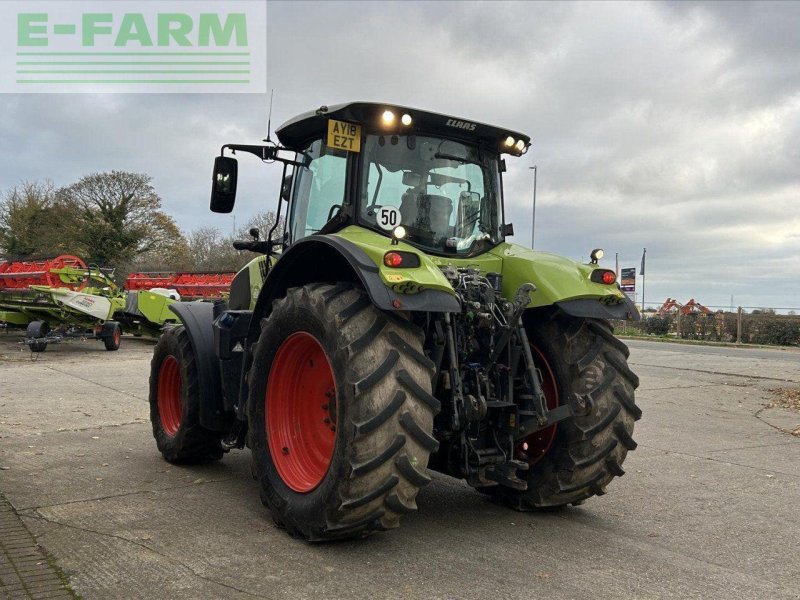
pixel 670 126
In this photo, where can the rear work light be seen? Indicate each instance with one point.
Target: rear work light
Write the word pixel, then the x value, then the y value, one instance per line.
pixel 604 276
pixel 401 260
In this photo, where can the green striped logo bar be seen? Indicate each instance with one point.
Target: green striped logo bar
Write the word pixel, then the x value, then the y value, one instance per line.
pixel 49 46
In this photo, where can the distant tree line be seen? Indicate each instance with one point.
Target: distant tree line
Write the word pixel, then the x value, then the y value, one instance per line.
pixel 113 220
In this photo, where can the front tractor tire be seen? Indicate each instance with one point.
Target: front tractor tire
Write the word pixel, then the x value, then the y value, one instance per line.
pixel 582 363
pixel 175 404
pixel 340 414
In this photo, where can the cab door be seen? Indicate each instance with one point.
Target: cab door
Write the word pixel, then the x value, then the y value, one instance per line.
pixel 319 189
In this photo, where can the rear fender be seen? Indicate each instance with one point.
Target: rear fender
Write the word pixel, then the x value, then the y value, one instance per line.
pixel 198 319
pixel 591 308
pixel 331 258
pixel 563 283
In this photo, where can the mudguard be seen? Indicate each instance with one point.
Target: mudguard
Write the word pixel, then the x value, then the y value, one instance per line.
pixel 198 319
pixel 333 258
pixel 562 282
pixel 591 308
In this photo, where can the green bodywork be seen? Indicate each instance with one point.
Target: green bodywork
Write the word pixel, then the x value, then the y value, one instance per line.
pixel 257 270
pixel 556 278
pixel 39 303
pixel 14 317
pixel 20 307
pixel 155 307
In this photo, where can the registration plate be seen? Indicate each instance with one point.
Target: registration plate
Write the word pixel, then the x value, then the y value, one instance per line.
pixel 345 136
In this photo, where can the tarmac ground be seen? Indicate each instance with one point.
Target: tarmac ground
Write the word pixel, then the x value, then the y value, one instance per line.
pixel 707 509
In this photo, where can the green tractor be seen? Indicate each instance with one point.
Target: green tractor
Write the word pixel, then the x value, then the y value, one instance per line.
pixel 388 328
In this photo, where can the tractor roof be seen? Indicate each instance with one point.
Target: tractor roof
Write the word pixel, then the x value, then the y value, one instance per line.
pixel 300 129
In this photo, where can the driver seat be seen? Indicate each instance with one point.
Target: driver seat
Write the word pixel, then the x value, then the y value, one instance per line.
pixel 428 212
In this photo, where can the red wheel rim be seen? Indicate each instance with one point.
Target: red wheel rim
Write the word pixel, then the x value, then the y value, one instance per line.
pixel 59 262
pixel 300 412
pixel 118 338
pixel 170 406
pixel 533 448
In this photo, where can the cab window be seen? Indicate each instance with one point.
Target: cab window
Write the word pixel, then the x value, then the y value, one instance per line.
pixel 446 193
pixel 319 188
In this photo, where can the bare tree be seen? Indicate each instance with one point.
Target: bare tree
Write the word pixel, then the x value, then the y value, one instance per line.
pixel 264 221
pixel 211 251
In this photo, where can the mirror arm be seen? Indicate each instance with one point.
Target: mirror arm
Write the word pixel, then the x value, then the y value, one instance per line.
pixel 280 205
pixel 262 152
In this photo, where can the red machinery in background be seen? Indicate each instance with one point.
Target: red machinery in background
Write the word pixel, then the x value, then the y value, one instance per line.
pixel 691 307
pixel 67 271
pixel 60 272
pixel 191 286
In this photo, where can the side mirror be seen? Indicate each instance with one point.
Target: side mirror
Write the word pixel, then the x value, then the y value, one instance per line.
pixel 286 188
pixel 254 233
pixel 223 184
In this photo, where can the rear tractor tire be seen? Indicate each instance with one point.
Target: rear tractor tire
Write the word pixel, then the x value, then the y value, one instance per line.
pixel 581 362
pixel 175 405
pixel 340 412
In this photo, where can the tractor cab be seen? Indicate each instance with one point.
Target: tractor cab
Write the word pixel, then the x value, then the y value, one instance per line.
pixel 429 179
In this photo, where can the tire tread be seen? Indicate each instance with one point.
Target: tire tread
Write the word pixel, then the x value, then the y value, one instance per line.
pixel 390 416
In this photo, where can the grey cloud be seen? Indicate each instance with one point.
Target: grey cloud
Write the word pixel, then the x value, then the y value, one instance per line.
pixel 674 126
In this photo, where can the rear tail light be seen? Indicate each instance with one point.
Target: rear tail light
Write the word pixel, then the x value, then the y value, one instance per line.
pixel 392 259
pixel 401 260
pixel 604 276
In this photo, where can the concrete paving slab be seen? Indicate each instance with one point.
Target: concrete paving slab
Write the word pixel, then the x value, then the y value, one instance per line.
pixel 535 551
pixel 706 509
pixel 73 387
pixel 87 464
pixel 701 419
pixel 741 363
pixel 778 459
pixel 783 419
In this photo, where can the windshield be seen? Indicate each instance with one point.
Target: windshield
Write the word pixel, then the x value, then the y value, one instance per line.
pixel 447 194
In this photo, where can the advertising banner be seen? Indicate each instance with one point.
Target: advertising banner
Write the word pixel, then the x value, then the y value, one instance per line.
pixel 628 280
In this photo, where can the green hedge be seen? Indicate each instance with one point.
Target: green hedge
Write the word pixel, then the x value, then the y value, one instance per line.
pixel 768 329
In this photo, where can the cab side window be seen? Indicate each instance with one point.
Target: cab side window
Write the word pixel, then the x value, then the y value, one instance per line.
pixel 319 188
